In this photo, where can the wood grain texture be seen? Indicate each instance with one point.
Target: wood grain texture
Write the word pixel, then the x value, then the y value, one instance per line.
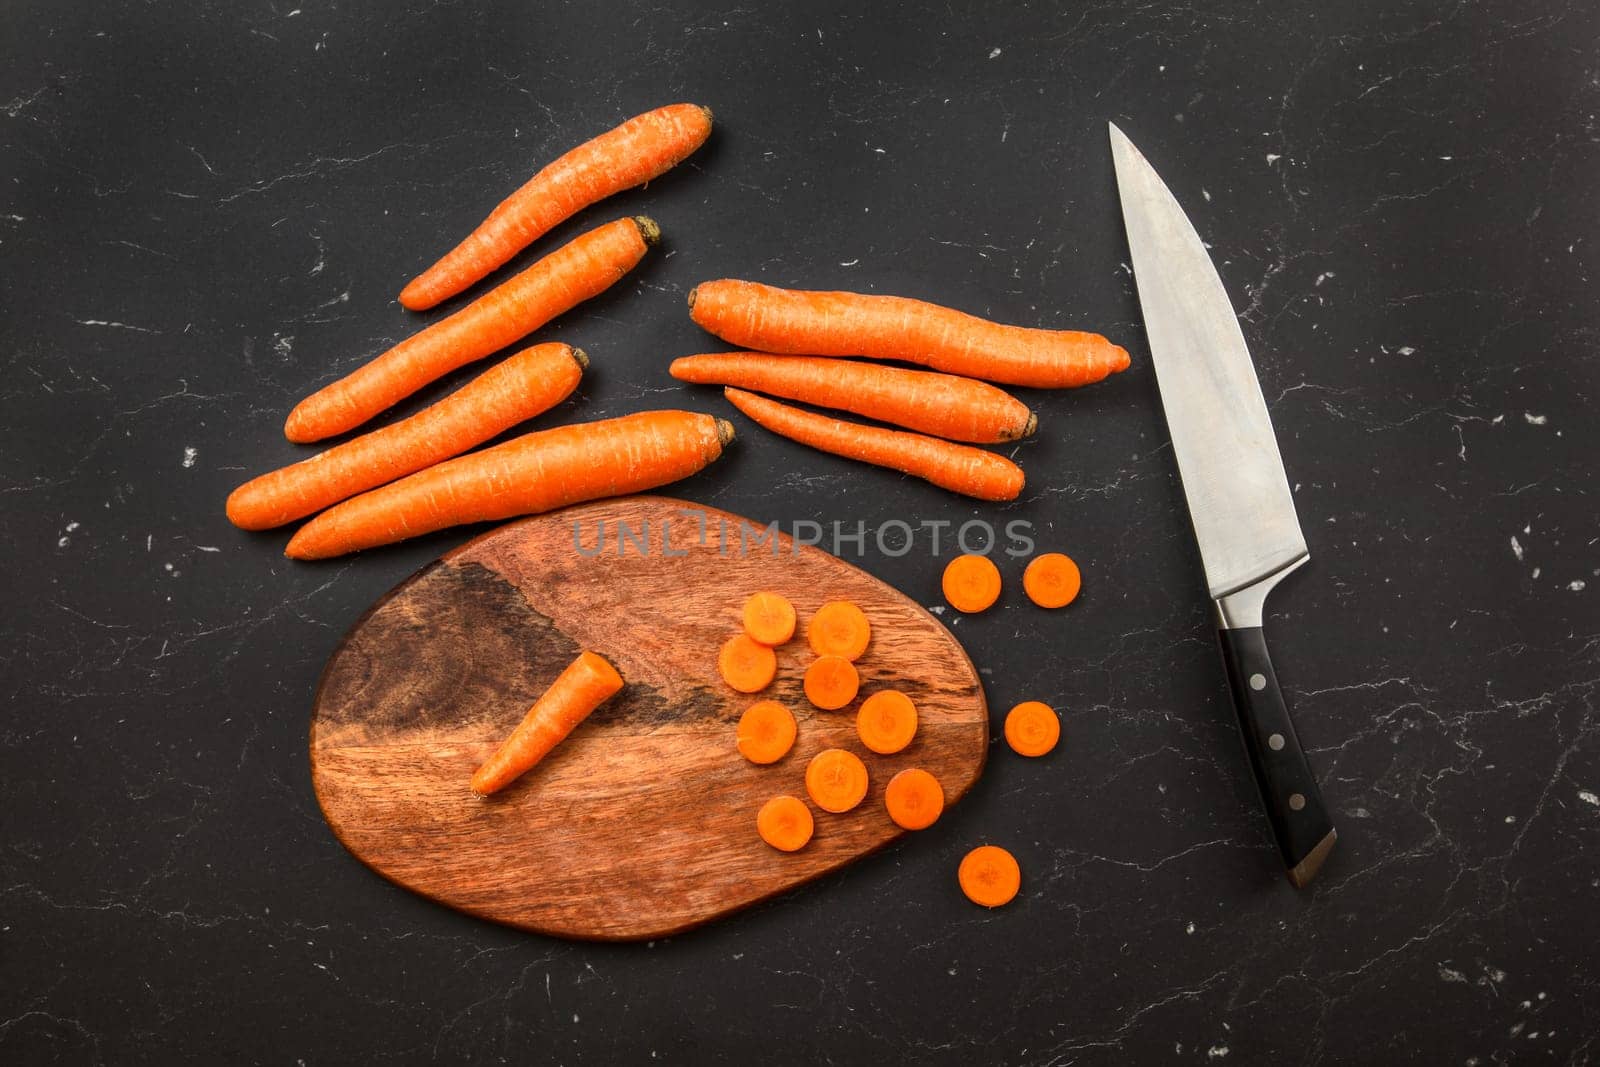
pixel 642 823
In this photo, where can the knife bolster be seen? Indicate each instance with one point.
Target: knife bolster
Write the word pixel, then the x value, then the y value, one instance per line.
pixel 1242 608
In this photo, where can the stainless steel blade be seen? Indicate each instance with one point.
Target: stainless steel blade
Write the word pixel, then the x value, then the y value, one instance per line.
pixel 1239 499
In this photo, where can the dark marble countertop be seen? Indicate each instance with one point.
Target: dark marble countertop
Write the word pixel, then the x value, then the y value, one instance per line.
pixel 206 209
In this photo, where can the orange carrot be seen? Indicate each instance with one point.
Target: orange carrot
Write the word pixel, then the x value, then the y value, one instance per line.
pixel 836 780
pixel 891 327
pixel 958 468
pixel 1032 728
pixel 1052 580
pixel 989 875
pixel 583 686
pixel 588 265
pixel 915 799
pixel 971 583
pixel 527 475
pixel 769 618
pixel 886 722
pixel 529 383
pixel 766 732
pixel 642 148
pixel 831 682
pixel 839 628
pixel 785 823
pixel 745 664
pixel 943 405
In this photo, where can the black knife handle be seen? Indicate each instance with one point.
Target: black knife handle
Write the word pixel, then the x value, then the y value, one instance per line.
pixel 1289 791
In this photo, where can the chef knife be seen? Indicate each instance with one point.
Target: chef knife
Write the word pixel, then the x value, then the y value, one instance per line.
pixel 1233 479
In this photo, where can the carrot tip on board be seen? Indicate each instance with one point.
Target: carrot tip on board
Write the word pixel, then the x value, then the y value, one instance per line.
pixel 705 111
pixel 724 431
pixel 693 291
pixel 581 358
pixel 648 229
pixel 1027 431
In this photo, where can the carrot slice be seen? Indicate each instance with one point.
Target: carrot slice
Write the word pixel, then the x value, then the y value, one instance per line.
pixel 586 683
pixel 831 682
pixel 989 875
pixel 1052 580
pixel 1032 728
pixel 746 665
pixel 766 732
pixel 836 780
pixel 769 618
pixel 915 799
pixel 887 721
pixel 971 583
pixel 839 628
pixel 785 823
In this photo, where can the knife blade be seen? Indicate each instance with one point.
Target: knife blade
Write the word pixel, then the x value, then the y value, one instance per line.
pixel 1233 480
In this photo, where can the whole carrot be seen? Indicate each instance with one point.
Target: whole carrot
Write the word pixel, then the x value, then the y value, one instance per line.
pixel 585 267
pixel 527 384
pixel 527 475
pixel 944 405
pixel 586 683
pixel 893 327
pixel 958 468
pixel 642 148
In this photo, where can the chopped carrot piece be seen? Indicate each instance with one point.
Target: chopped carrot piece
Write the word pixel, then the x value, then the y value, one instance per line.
pixel 839 628
pixel 836 780
pixel 1052 580
pixel 971 583
pixel 914 799
pixel 1032 728
pixel 769 618
pixel 989 875
pixel 766 732
pixel 785 823
pixel 831 682
pixel 583 686
pixel 887 721
pixel 746 665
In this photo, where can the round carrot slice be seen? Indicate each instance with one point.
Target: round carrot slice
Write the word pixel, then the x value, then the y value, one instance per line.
pixel 971 583
pixel 839 628
pixel 1052 580
pixel 766 732
pixel 989 875
pixel 1032 728
pixel 831 682
pixel 914 799
pixel 785 823
pixel 769 618
pixel 887 721
pixel 746 665
pixel 836 780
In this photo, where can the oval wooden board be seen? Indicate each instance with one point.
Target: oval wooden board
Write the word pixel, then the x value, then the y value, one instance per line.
pixel 641 823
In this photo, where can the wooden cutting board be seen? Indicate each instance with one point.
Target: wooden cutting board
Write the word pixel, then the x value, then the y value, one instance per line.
pixel 642 823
